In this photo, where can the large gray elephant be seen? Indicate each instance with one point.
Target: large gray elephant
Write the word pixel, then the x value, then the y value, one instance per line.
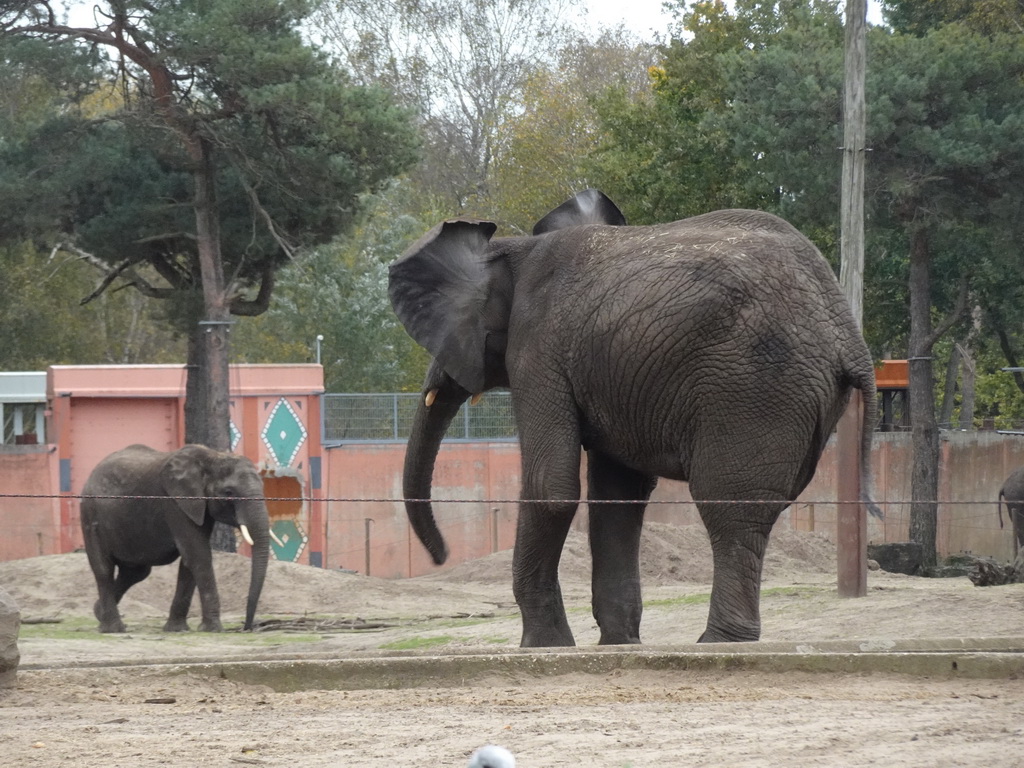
pixel 126 537
pixel 718 350
pixel 1012 493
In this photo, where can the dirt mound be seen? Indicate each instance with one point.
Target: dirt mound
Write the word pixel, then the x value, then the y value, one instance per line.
pixel 669 554
pixel 63 584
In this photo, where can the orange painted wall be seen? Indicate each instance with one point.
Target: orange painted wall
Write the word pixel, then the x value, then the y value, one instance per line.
pixel 28 526
pixel 464 471
pixel 275 415
pixel 974 466
pixel 362 482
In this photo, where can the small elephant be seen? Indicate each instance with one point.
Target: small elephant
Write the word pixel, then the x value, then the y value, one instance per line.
pixel 718 350
pixel 193 487
pixel 1012 493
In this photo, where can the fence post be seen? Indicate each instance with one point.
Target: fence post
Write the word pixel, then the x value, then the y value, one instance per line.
pixel 368 521
pixel 394 415
pixel 494 530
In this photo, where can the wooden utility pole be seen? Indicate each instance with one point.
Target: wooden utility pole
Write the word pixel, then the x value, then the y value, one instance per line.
pixel 851 522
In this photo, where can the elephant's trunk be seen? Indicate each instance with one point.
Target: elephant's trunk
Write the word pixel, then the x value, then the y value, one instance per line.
pixel 253 516
pixel 428 429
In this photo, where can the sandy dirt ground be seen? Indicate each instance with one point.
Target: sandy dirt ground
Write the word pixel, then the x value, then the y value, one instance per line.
pixel 63 713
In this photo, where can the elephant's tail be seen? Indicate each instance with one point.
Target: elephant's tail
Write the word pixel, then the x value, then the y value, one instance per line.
pixel 999 507
pixel 865 382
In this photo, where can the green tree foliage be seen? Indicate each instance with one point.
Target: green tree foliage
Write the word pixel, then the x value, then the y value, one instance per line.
pixel 234 146
pixel 339 291
pixel 43 324
pixel 918 17
pixel 544 150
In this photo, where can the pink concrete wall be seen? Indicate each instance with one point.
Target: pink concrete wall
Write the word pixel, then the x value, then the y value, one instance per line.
pixel 374 471
pixel 363 481
pixel 28 526
pixel 96 410
pixel 973 468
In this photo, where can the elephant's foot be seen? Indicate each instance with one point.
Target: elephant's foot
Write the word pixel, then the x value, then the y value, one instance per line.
pixel 110 621
pixel 549 629
pixel 211 625
pixel 619 638
pixel 730 635
pixel 549 638
pixel 545 624
pixel 176 625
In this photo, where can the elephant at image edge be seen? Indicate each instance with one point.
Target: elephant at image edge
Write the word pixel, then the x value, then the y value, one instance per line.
pixel 717 350
pixel 125 538
pixel 1012 493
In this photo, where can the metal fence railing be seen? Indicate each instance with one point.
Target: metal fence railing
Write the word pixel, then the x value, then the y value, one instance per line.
pixel 387 417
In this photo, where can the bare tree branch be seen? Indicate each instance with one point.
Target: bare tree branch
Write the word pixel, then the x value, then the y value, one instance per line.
pixel 110 274
pixel 954 316
pixel 261 303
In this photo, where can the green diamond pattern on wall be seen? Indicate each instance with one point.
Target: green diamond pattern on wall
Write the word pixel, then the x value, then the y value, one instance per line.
pixel 293 540
pixel 284 433
pixel 235 435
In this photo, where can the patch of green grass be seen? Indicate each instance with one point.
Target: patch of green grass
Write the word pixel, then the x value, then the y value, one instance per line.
pixel 456 623
pixel 705 597
pixel 75 628
pixel 82 628
pixel 496 640
pixel 415 643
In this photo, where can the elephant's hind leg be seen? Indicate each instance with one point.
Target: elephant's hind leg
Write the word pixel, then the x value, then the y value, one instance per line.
pixel 739 537
pixel 177 621
pixel 105 608
pixel 615 546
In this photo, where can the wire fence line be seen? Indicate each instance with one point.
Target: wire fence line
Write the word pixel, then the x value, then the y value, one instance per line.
pixel 388 417
pixel 398 500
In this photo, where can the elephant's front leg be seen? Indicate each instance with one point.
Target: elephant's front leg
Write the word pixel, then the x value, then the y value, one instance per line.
pixel 615 546
pixel 551 471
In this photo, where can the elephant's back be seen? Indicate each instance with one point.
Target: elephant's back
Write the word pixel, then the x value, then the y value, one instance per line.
pixel 689 331
pixel 123 471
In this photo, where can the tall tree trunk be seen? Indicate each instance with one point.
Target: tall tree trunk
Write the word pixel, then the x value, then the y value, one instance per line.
pixel 969 370
pixel 924 482
pixel 949 390
pixel 967 387
pixel 213 416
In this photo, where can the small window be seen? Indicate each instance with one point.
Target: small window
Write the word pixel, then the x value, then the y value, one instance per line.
pixel 24 423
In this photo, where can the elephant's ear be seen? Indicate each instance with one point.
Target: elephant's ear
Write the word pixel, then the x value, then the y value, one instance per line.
pixel 588 207
pixel 184 474
pixel 439 290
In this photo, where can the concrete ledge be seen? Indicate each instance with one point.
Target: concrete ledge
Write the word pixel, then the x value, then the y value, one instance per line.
pixel 948 658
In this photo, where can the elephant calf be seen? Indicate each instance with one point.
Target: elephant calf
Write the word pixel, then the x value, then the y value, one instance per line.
pixel 184 492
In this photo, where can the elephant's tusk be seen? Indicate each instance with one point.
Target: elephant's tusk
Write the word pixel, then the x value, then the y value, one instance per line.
pixel 476 398
pixel 274 537
pixel 430 398
pixel 245 535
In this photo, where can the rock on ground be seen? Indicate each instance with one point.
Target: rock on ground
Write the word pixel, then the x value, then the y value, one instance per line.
pixel 10 623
